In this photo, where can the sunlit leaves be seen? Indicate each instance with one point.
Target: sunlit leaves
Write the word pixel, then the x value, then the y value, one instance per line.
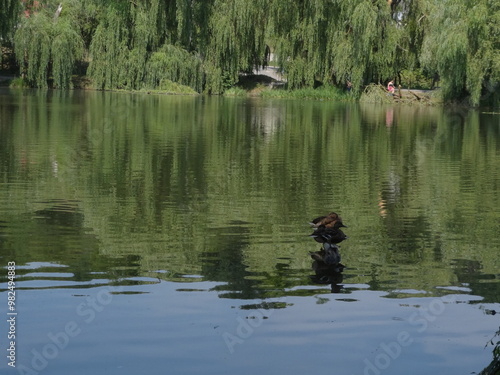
pixel 42 39
pixel 67 48
pixel 109 51
pixel 335 41
pixel 236 43
pixel 174 64
pixel 461 43
pixel 32 47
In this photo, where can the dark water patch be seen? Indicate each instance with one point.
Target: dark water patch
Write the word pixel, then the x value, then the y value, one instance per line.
pixel 267 305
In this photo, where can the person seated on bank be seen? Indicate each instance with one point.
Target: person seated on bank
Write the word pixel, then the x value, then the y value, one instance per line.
pixel 390 87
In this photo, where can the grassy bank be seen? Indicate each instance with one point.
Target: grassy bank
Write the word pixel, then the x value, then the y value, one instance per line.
pixel 166 87
pixel 320 93
pixel 266 87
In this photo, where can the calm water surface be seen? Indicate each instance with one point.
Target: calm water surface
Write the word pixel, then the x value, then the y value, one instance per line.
pixel 161 234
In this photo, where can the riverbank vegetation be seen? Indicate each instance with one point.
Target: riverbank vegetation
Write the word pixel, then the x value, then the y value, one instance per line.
pixel 207 44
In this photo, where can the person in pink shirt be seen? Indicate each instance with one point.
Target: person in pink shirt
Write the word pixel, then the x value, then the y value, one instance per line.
pixel 390 87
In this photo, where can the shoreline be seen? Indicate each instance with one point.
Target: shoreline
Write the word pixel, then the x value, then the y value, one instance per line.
pixel 266 86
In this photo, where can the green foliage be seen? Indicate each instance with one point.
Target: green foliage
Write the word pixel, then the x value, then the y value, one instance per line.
pixel 321 93
pixel 42 39
pixel 237 41
pixel 18 83
pixel 217 80
pixel 66 49
pixel 235 91
pixel 376 94
pixel 174 64
pixel 461 44
pixel 207 44
pixel 335 41
pixel 32 48
pixel 166 86
pixel 174 87
pixel 237 29
pixel 9 13
pixel 131 37
pixel 109 51
pixel 415 79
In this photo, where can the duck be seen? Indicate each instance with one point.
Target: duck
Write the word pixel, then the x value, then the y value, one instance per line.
pixel 331 220
pixel 329 235
pixel 329 255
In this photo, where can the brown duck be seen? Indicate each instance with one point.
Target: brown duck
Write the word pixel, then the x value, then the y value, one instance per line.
pixel 332 220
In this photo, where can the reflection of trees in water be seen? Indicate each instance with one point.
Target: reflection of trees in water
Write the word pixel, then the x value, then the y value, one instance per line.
pixel 167 163
pixel 405 231
pixel 226 261
pixel 470 273
pixel 56 234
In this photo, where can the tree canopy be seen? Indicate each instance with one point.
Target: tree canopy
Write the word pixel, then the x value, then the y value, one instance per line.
pixel 206 44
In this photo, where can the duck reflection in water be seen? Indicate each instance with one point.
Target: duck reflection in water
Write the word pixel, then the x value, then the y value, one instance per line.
pixel 326 273
pixel 327 258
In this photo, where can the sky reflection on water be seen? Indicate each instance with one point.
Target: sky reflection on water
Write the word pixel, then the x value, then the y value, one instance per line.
pixel 130 326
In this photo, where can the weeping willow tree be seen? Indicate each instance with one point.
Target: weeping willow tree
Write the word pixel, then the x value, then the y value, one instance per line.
pixel 236 44
pixel 47 42
pixel 373 39
pixel 109 50
pixel 192 23
pixel 410 18
pixel 127 33
pixel 66 49
pixel 9 13
pixel 32 47
pixel 334 41
pixel 462 44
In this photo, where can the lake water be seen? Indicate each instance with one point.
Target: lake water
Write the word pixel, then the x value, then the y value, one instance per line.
pixel 169 234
